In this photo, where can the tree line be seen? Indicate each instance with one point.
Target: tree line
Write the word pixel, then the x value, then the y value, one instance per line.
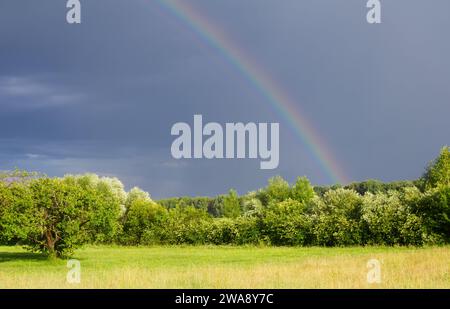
pixel 57 215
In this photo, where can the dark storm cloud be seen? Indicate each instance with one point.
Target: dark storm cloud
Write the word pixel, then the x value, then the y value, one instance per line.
pixel 102 96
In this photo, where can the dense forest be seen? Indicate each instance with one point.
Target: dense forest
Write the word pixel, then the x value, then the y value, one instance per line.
pixel 57 215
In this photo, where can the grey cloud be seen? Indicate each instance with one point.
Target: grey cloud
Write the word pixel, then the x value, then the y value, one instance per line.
pixel 31 93
pixel 102 96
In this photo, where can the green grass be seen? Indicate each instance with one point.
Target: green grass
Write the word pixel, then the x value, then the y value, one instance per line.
pixel 229 267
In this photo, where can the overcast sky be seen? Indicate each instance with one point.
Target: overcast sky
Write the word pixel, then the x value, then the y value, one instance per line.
pixel 102 96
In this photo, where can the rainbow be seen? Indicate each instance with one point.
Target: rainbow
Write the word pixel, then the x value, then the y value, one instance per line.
pixel 266 86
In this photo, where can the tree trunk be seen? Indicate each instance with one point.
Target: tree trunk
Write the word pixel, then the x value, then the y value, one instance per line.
pixel 50 244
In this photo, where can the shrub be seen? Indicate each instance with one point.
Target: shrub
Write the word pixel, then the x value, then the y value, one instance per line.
pixel 389 220
pixel 248 230
pixel 185 225
pixel 143 216
pixel 434 210
pixel 231 205
pixel 222 231
pixel 285 223
pixel 336 218
pixel 251 205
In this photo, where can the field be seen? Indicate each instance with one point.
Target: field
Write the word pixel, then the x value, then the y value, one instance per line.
pixel 229 267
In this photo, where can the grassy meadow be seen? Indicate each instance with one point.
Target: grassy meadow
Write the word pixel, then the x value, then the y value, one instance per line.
pixel 229 267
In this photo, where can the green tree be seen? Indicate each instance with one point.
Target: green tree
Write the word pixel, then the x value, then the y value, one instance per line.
pixel 186 225
pixel 389 219
pixel 54 215
pixel 62 213
pixel 136 194
pixel 337 218
pixel 142 216
pixel 215 206
pixel 222 231
pixel 251 205
pixel 231 205
pixel 302 190
pixel 105 197
pixel 371 186
pixel 438 172
pixel 434 210
pixel 277 190
pixel 17 216
pixel 284 223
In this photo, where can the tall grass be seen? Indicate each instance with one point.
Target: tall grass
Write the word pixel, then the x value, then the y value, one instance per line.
pixel 230 267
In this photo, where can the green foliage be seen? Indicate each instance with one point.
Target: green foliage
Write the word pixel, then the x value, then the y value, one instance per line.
pixel 61 213
pixel 136 194
pixel 434 210
pixel 251 205
pixel 336 218
pixel 104 197
pixel 239 231
pixel 185 225
pixel 186 201
pixel 142 216
pixel 276 190
pixel 285 223
pixel 248 231
pixel 375 186
pixel 321 190
pixel 302 191
pixel 17 216
pixel 222 231
pixel 215 206
pixel 438 172
pixel 57 215
pixel 231 205
pixel 369 186
pixel 389 219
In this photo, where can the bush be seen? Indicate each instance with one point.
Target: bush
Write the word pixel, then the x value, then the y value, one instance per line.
pixel 389 220
pixel 434 210
pixel 285 223
pixel 231 205
pixel 143 216
pixel 337 218
pixel 185 225
pixel 251 205
pixel 222 231
pixel 248 230
pixel 239 231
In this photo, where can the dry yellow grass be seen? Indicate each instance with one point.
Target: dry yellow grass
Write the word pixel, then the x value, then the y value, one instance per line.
pixel 230 267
